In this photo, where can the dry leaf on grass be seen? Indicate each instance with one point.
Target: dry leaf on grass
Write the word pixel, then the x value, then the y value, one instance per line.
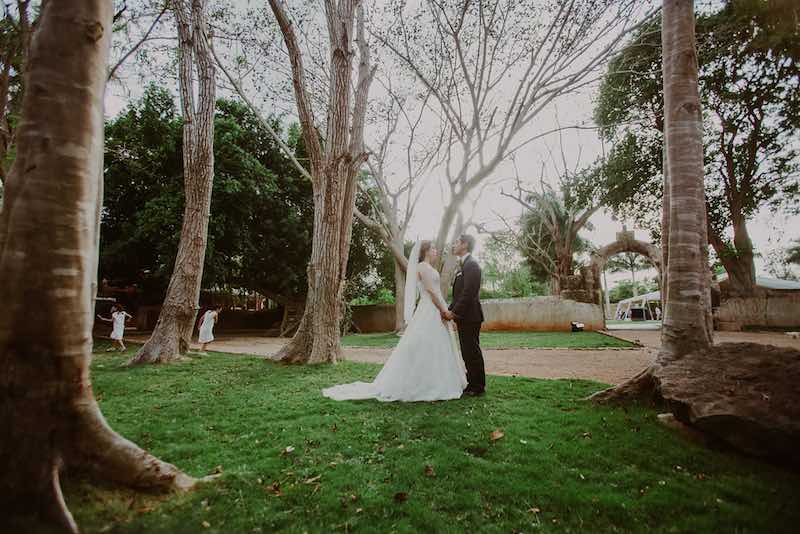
pixel 429 471
pixel 400 496
pixel 497 434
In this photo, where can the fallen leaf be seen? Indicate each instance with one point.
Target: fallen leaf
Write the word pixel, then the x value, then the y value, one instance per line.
pixel 217 470
pixel 534 510
pixel 287 450
pixel 206 524
pixel 429 471
pixel 359 510
pixel 400 496
pixel 312 480
pixel 276 488
pixel 497 434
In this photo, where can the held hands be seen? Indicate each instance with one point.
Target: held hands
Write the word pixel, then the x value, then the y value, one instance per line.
pixel 447 315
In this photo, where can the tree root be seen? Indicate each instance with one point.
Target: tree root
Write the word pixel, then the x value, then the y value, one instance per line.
pixel 641 387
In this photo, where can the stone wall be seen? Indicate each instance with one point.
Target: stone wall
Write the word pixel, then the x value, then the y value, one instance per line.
pixel 542 314
pixel 770 309
pixel 370 318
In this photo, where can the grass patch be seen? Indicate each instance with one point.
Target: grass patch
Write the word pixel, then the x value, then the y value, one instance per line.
pixel 508 340
pixel 562 465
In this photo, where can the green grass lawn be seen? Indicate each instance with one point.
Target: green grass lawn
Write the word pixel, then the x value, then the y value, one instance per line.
pixel 507 340
pixel 562 464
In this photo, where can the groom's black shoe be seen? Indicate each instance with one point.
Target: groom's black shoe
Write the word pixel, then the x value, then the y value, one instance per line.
pixel 472 393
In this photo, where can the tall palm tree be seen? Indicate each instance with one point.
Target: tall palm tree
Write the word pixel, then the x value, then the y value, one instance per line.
pixel 687 316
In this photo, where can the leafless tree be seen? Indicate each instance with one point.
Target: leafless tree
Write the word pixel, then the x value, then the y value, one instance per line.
pixel 334 166
pixel 494 65
pixel 171 336
pixel 394 195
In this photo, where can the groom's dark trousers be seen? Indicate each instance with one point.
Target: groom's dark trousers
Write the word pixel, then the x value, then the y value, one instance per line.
pixel 466 307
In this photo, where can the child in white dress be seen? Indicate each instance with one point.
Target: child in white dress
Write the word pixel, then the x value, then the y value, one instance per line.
pixel 118 318
pixel 207 323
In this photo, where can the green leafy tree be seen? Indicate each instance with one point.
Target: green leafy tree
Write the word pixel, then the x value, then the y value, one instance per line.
pixel 625 289
pixel 748 59
pixel 504 275
pixel 261 214
pixel 631 263
pixel 259 233
pixel 549 238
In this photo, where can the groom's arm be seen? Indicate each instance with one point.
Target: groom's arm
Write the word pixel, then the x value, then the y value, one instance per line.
pixel 472 288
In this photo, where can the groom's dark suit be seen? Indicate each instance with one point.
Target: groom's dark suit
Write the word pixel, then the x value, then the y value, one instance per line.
pixel 466 307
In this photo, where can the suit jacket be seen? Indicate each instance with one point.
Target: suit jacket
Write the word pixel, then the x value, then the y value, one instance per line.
pixel 466 293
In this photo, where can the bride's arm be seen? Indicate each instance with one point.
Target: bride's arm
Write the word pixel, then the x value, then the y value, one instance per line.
pixel 426 275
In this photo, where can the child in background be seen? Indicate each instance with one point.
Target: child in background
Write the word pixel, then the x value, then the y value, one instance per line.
pixel 118 318
pixel 207 323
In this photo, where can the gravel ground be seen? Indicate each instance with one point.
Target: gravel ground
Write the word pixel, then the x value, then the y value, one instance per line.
pixel 603 365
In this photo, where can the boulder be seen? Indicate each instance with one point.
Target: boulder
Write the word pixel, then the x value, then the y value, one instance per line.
pixel 745 394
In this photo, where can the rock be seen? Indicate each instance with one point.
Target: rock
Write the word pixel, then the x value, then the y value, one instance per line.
pixel 690 432
pixel 745 394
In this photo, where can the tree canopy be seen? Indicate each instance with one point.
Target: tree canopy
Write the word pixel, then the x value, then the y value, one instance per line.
pixel 261 217
pixel 751 103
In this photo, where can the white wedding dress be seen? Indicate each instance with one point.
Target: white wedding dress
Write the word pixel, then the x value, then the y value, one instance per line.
pixel 426 365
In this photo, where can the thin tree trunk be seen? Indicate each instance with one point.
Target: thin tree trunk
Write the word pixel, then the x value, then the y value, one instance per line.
pixel 399 298
pixel 48 265
pixel 172 334
pixel 633 282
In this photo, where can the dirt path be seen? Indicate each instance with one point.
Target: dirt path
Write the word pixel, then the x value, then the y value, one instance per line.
pixel 604 365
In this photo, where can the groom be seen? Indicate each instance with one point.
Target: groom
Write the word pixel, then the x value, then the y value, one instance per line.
pixel 467 313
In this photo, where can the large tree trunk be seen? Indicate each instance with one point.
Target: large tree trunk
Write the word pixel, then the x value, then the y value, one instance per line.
pixel 686 326
pixel 48 264
pixel 172 334
pixel 334 169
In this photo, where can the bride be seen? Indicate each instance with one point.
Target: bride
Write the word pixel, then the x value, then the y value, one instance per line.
pixel 426 364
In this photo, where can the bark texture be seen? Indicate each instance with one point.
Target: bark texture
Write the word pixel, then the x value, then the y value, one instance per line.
pixel 173 331
pixel 49 230
pixel 334 168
